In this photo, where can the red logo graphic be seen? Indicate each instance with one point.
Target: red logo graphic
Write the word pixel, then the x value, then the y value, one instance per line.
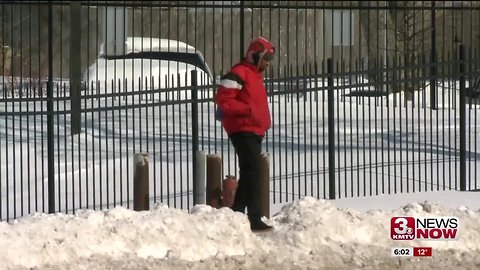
pixel 402 228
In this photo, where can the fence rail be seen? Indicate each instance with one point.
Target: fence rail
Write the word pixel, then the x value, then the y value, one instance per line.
pixel 392 113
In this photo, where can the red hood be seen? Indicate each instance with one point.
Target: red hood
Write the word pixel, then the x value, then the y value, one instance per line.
pixel 257 49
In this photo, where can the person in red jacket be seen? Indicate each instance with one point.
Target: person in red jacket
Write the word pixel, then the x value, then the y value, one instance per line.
pixel 245 114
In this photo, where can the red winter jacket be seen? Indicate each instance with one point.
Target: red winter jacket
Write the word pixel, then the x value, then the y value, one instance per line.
pixel 242 99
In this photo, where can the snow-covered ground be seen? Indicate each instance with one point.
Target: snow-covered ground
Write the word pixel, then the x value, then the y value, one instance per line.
pixel 379 149
pixel 309 234
pixel 348 233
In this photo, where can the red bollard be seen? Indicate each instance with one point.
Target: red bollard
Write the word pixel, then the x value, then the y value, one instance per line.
pixel 229 188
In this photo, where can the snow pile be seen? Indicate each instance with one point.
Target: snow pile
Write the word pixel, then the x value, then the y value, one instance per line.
pixel 309 233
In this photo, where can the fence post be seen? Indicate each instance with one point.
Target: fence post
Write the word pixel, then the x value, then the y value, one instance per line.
pixel 141 197
pixel 331 131
pixel 75 65
pixel 214 180
pixel 265 186
pixel 50 124
pixel 433 62
pixel 463 121
pixel 195 135
pixel 242 28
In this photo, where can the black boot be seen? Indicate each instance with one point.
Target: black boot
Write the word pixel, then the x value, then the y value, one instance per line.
pixel 257 225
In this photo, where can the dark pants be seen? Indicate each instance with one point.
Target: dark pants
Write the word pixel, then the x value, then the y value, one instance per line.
pixel 248 148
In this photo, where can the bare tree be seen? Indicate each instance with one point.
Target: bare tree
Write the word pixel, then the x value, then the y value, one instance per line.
pixel 401 31
pixel 410 30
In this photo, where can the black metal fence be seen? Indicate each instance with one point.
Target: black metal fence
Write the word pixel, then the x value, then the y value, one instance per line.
pixel 85 85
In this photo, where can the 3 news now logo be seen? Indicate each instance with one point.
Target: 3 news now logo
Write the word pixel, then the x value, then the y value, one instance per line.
pixel 427 228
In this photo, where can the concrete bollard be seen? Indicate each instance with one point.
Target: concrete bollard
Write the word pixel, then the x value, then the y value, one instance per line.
pixel 141 198
pixel 199 190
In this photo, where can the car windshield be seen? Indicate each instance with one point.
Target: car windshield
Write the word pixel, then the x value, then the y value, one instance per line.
pixel 189 58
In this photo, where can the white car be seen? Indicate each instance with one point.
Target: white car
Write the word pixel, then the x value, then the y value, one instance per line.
pixel 148 64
